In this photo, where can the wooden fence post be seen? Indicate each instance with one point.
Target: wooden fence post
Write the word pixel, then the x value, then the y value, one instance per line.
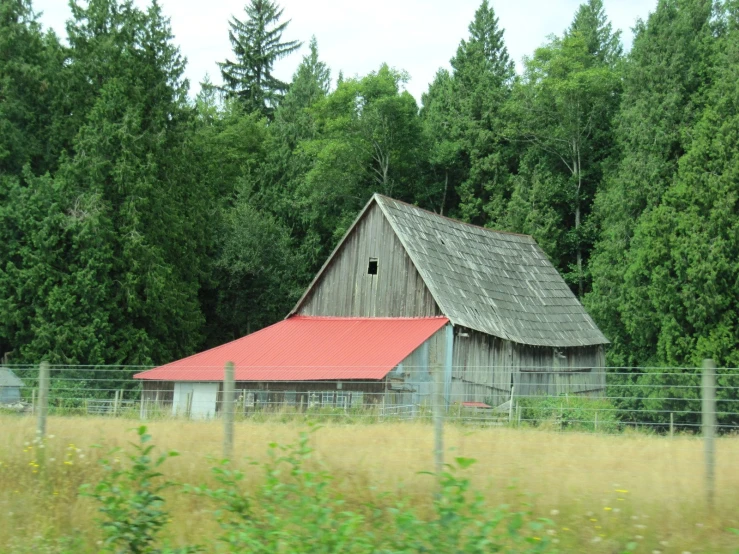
pixel 709 427
pixel 43 400
pixel 672 424
pixel 228 410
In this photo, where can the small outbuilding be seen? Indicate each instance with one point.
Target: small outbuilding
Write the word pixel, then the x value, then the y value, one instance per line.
pixel 495 314
pixel 10 387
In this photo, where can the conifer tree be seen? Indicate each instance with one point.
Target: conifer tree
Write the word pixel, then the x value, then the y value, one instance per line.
pixel 257 45
pixel 483 73
pixel 666 76
pixel 112 244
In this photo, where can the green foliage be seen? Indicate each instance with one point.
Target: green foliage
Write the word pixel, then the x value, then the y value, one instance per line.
pixel 665 80
pixel 131 500
pixel 138 226
pixel 562 109
pixel 296 510
pixel 573 413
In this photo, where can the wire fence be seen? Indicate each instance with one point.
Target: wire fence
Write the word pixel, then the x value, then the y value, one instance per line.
pixel 597 400
pixel 498 405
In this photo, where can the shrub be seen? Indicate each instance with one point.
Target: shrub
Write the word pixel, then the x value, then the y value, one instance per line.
pixel 577 413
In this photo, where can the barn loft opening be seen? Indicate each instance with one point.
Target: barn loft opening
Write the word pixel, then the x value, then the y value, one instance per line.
pixel 372 267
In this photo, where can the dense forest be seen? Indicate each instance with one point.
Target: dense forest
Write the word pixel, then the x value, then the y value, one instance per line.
pixel 140 223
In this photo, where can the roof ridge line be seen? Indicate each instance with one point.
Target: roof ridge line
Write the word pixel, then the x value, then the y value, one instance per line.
pixel 365 318
pixel 459 221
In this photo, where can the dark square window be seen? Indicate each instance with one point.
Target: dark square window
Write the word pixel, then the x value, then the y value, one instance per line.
pixel 372 267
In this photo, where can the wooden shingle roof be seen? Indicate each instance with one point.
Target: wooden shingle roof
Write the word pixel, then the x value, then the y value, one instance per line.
pixel 498 283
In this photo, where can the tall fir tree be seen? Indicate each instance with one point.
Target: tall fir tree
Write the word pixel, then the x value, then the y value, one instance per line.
pixel 257 44
pixel 592 24
pixel 482 78
pixel 666 77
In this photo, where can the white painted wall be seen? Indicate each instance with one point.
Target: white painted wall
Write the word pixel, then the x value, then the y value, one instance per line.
pixel 204 396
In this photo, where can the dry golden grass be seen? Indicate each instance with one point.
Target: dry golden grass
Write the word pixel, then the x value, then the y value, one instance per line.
pixel 602 491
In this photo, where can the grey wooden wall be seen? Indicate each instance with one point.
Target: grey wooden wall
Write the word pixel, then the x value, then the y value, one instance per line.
pixel 485 366
pixel 346 289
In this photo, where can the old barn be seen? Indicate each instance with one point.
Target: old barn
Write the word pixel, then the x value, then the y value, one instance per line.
pixel 407 293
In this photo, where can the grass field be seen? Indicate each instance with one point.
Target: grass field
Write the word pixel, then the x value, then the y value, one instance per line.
pixel 604 493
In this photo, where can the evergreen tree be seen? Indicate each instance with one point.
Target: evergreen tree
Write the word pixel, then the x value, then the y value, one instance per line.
pixel 448 164
pixel 591 23
pixel 30 64
pixel 665 80
pixel 483 73
pixel 682 270
pixel 111 245
pixel 257 45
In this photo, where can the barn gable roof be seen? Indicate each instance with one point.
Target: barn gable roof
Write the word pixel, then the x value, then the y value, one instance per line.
pixel 498 283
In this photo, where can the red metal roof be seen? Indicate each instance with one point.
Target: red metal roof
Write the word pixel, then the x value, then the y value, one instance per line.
pixel 308 349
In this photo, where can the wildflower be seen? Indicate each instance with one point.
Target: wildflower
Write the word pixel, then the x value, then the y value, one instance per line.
pixel 635 517
pixel 640 526
pixel 656 552
pixel 52 459
pixel 51 436
pixel 624 491
pixel 638 537
pixel 699 525
pixel 563 528
pixel 552 512
pixel 616 510
pixel 598 527
pixel 551 532
pixel 555 541
pixel 537 538
pixel 597 539
pixel 664 543
pixel 607 509
pixel 593 519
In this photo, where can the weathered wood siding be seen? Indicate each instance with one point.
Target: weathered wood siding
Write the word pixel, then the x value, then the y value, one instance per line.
pixel 161 391
pixel 346 289
pixel 481 369
pixel 555 371
pixel 485 367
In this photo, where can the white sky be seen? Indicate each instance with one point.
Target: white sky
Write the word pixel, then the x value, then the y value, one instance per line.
pixel 418 36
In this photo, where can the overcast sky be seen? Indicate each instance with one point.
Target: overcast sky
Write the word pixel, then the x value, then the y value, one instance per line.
pixel 418 36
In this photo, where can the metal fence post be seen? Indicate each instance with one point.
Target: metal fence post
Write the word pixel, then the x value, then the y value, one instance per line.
pixel 228 410
pixel 709 426
pixel 438 412
pixel 43 400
